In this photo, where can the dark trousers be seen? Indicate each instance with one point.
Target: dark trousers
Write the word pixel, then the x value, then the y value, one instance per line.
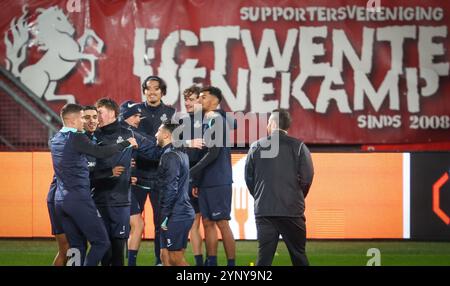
pixel 81 222
pixel 293 231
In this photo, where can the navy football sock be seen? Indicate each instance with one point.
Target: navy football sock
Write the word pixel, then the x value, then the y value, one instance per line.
pixel 198 260
pixel 132 257
pixel 231 262
pixel 212 261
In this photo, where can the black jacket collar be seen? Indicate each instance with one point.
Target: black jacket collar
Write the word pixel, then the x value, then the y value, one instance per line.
pixel 111 128
pixel 167 148
pixel 153 108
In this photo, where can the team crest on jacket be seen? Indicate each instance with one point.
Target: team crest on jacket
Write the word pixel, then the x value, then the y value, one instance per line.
pixel 163 117
pixel 119 140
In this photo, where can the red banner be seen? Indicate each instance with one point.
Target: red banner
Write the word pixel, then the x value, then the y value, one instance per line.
pixel 347 73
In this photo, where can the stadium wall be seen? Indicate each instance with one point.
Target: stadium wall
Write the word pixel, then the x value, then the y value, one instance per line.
pixel 348 75
pixel 353 196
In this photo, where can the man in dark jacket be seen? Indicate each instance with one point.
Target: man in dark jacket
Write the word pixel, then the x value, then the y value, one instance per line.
pixel 192 124
pixel 112 195
pixel 279 183
pixel 73 203
pixel 212 178
pixel 177 214
pixel 90 118
pixel 130 117
pixel 154 112
pixel 90 126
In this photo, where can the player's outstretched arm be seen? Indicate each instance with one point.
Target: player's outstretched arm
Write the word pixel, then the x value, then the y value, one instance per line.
pixel 82 144
pixel 148 149
pixel 210 156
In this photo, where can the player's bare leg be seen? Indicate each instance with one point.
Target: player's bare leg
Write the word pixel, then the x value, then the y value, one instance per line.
pixel 63 247
pixel 177 258
pixel 196 238
pixel 211 240
pixel 136 229
pixel 134 241
pixel 228 240
pixel 165 258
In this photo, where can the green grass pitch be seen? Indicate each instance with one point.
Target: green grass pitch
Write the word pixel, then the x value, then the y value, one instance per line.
pixel 30 252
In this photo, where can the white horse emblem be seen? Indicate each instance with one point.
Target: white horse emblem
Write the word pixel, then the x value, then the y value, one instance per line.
pixel 54 35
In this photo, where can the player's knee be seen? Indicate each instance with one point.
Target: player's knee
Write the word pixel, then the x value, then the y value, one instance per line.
pixel 175 257
pixel 208 223
pixel 63 247
pixel 137 223
pixel 222 224
pixel 194 231
pixel 164 256
pixel 196 223
pixel 140 224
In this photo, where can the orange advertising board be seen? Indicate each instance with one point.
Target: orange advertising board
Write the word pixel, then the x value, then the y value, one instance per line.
pixel 352 196
pixel 356 196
